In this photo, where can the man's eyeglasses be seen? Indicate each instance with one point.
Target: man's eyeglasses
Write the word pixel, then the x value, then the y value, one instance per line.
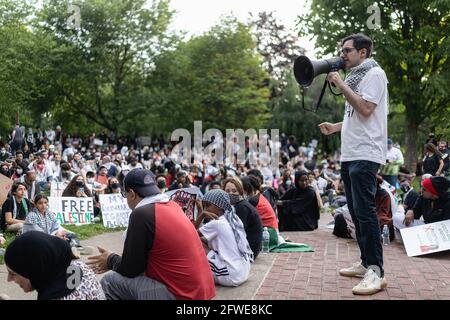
pixel 347 50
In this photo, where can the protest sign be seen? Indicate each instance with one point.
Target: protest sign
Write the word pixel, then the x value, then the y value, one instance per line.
pixel 115 210
pixel 5 187
pixel 186 199
pixel 427 238
pixel 57 188
pixel 71 210
pixel 98 142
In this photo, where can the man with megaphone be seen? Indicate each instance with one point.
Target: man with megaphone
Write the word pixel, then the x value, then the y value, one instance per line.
pixel 363 148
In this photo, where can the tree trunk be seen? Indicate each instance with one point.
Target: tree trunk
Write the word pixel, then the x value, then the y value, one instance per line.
pixel 411 140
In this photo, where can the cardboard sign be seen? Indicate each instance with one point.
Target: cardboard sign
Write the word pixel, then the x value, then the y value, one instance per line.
pixel 186 199
pixel 115 210
pixel 427 238
pixel 5 187
pixel 98 142
pixel 57 188
pixel 71 210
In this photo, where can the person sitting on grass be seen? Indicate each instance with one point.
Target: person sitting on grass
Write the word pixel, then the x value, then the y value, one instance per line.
pixel 77 188
pixel 38 261
pixel 228 251
pixel 15 209
pixel 41 219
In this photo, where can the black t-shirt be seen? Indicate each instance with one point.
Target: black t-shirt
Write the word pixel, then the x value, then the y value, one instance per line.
pixel 252 224
pixel 21 214
pixel 431 164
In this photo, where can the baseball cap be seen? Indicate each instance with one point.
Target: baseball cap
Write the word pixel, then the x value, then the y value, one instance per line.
pixel 142 181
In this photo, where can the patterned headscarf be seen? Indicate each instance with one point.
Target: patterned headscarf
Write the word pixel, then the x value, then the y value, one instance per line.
pixel 222 200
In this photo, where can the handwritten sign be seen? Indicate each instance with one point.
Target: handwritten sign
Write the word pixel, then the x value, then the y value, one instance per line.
pixel 115 210
pixel 71 210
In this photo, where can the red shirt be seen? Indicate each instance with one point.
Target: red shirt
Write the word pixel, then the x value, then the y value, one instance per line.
pixel 265 210
pixel 177 257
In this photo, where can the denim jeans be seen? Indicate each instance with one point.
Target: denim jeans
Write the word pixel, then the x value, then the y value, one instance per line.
pixel 360 184
pixel 392 180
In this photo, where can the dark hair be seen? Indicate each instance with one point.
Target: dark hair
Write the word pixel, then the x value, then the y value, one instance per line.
pixel 215 183
pixel 360 41
pixel 16 185
pixel 19 152
pixel 39 197
pixel 251 184
pixel 71 189
pixel 256 173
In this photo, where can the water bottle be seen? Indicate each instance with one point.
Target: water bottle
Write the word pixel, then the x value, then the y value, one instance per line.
pixel 385 235
pixel 266 239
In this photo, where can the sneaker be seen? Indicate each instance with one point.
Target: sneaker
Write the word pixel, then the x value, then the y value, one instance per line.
pixel 356 270
pixel 2 251
pixel 371 284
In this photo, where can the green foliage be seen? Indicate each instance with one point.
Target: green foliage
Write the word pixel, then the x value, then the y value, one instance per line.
pixel 412 46
pixel 216 78
pixel 290 117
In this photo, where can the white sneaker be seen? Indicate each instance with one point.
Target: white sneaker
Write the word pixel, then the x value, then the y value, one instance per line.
pixel 371 284
pixel 356 270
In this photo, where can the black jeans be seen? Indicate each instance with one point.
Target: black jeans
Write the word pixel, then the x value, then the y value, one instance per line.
pixel 360 184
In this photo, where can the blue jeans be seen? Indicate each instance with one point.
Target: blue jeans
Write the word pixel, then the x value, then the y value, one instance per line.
pixel 392 180
pixel 360 184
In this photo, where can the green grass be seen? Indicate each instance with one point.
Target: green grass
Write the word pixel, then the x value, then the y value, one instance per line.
pixel 84 232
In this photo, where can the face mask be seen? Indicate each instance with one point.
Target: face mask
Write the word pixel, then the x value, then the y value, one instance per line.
pixel 3 171
pixel 288 182
pixel 234 198
pixel 161 184
pixel 115 185
pixel 19 171
pixel 157 163
pixel 90 180
pixel 80 184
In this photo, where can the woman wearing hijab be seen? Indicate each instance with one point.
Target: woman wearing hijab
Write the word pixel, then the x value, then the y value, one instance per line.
pixel 38 261
pixel 230 254
pixel 434 202
pixel 246 212
pixel 299 206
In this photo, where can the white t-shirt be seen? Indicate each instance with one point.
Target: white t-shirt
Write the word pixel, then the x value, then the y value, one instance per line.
pixel 394 155
pixel 366 138
pixel 229 268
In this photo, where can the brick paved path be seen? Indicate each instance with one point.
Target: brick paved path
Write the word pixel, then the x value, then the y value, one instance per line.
pixel 315 275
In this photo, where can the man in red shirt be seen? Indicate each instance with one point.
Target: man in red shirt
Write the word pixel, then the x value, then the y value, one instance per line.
pixel 163 257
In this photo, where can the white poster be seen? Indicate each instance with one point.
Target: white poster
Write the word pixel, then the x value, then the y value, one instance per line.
pixel 98 142
pixel 71 210
pixel 115 210
pixel 427 238
pixel 57 188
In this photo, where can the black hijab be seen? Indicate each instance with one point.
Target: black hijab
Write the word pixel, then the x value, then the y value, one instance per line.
pixel 43 259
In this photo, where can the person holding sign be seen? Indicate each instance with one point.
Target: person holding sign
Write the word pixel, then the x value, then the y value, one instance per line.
pixel 77 188
pixel 433 203
pixel 163 257
pixel 41 219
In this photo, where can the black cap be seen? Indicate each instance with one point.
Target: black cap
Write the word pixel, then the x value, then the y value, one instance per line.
pixel 142 181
